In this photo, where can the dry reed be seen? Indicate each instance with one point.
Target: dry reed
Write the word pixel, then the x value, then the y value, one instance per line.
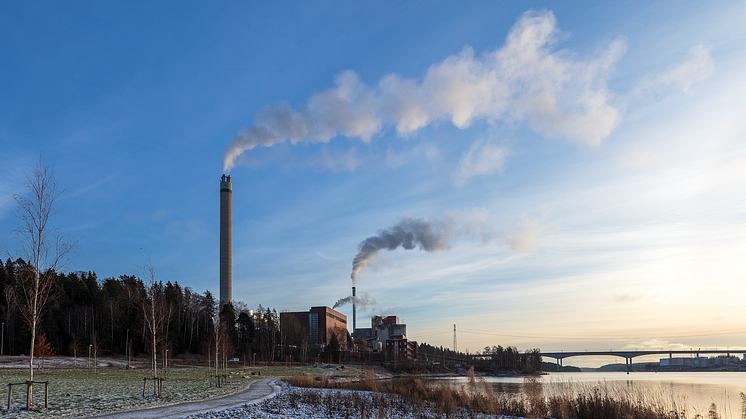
pixel 570 400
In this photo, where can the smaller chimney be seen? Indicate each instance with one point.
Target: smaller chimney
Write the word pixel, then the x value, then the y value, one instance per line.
pixel 353 311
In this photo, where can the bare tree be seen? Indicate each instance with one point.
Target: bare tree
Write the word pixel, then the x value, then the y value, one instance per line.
pixel 155 310
pixel 74 347
pixel 45 248
pixel 96 346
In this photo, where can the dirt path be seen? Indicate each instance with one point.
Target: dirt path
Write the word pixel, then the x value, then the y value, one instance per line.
pixel 256 392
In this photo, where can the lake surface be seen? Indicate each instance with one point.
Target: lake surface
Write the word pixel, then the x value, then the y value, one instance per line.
pixel 697 389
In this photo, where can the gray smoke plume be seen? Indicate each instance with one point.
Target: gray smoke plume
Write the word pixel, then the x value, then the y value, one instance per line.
pixel 430 236
pixel 556 93
pixel 362 303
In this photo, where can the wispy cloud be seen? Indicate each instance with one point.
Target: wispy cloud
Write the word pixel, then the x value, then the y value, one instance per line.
pixel 527 236
pixel 187 229
pixel 98 183
pixel 327 257
pixel 697 66
pixel 396 159
pixel 653 344
pixel 627 298
pixel 482 158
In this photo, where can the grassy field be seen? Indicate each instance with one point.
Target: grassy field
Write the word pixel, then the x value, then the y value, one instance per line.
pixel 82 393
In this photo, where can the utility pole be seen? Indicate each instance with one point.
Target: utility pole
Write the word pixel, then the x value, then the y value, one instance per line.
pixel 455 346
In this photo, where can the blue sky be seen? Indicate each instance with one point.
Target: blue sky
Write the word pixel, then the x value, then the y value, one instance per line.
pixel 583 160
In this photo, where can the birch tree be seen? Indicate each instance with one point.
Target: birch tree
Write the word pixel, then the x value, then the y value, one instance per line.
pixel 44 247
pixel 155 314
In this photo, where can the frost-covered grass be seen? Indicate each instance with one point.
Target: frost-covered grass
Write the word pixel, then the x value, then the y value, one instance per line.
pixel 304 403
pixel 82 393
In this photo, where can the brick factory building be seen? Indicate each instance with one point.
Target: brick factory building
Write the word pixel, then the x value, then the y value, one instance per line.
pixel 320 323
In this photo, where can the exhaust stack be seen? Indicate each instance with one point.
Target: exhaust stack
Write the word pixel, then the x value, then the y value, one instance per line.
pixel 353 311
pixel 226 241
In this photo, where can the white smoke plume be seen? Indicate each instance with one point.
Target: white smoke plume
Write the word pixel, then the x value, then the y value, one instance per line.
pixel 431 236
pixel 556 93
pixel 363 303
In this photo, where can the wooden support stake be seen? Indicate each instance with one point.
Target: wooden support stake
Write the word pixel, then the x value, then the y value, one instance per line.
pixel 10 394
pixel 46 394
pixel 144 384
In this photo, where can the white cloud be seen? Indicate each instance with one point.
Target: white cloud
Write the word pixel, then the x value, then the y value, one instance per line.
pixel 697 66
pixel 638 159
pixel 482 158
pixel 656 344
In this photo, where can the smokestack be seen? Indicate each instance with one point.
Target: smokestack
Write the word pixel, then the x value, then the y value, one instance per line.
pixel 226 240
pixel 353 311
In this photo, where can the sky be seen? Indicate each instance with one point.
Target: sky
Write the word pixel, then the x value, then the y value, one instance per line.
pixel 554 175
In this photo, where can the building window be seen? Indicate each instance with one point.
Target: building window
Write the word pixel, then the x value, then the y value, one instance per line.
pixel 313 327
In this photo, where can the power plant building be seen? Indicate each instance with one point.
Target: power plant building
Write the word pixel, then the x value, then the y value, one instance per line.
pixel 387 334
pixel 320 323
pixel 226 240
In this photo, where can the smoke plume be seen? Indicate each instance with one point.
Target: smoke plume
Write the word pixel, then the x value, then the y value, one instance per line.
pixel 525 80
pixel 362 303
pixel 430 236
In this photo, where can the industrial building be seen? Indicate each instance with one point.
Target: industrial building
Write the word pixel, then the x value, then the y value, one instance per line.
pixel 320 322
pixel 700 362
pixel 386 335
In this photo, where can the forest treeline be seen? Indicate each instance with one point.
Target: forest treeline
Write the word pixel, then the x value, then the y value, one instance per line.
pixel 84 310
pixel 492 358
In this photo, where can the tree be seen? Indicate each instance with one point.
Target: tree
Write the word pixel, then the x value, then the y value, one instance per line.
pixel 43 349
pixel 45 248
pixel 95 346
pixel 335 349
pixel 155 314
pixel 74 347
pixel 245 332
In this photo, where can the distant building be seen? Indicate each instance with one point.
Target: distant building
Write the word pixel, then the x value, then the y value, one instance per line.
pixel 386 334
pixel 699 362
pixel 670 362
pixel 320 323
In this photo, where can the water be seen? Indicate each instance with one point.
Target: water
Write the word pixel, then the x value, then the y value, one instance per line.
pixel 700 388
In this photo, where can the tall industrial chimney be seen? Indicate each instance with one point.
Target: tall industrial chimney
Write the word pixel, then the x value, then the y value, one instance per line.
pixel 354 319
pixel 226 240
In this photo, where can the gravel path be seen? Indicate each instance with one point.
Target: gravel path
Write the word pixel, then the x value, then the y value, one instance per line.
pixel 257 391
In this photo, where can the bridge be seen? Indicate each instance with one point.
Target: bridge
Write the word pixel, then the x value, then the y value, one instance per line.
pixel 628 355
